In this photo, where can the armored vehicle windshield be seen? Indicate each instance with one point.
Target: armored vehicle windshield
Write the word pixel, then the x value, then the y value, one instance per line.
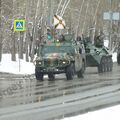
pixel 57 49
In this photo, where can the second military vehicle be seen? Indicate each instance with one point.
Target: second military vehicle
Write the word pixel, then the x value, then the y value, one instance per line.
pixel 97 55
pixel 60 55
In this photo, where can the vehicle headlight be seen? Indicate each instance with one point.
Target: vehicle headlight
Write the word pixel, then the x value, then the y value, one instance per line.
pixel 39 62
pixel 97 52
pixel 64 62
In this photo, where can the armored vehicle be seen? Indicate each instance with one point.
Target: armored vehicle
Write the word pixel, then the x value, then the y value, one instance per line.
pixel 60 55
pixel 118 54
pixel 97 55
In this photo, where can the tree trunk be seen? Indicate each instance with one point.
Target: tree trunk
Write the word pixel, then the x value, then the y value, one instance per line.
pixel 0 51
pixel 26 46
pixel 0 34
pixel 13 49
pixel 26 51
pixel 35 29
pixel 27 37
pixel 21 45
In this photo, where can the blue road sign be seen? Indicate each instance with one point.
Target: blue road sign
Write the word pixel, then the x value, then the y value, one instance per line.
pixel 19 25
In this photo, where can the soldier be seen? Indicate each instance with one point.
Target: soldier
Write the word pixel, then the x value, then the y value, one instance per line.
pixel 98 40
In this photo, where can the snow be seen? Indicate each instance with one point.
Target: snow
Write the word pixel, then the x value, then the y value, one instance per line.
pixel 114 57
pixel 111 113
pixel 18 67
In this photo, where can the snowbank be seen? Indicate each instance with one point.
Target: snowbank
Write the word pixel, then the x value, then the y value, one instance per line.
pixel 18 67
pixel 111 113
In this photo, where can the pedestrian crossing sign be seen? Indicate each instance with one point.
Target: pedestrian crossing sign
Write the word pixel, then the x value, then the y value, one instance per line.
pixel 19 25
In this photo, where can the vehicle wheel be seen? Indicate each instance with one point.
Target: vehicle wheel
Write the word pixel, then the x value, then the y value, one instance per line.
pixel 81 72
pixel 109 64
pixel 51 76
pixel 38 74
pixel 70 72
pixel 118 59
pixel 106 64
pixel 102 66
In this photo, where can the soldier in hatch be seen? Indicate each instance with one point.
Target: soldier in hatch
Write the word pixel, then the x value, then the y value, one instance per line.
pixel 99 39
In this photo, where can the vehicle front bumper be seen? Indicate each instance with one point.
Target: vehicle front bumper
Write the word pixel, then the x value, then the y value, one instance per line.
pixel 51 70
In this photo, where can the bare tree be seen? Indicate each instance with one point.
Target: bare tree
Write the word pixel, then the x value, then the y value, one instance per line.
pixel 0 32
pixel 13 41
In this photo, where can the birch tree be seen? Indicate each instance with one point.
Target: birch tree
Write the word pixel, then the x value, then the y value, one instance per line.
pixel 0 33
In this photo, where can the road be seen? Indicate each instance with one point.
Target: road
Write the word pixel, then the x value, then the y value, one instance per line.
pixel 23 97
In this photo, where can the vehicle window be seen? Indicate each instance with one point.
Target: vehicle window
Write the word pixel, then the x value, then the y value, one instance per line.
pixel 56 49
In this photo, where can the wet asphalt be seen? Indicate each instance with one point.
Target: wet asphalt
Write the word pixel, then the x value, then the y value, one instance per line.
pixel 18 90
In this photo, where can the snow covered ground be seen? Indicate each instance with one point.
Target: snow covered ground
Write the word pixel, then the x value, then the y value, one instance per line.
pixel 18 67
pixel 22 67
pixel 111 113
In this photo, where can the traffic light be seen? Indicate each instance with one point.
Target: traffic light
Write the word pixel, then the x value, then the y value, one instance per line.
pixel 49 34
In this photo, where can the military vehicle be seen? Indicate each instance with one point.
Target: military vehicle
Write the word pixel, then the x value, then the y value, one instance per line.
pixel 118 54
pixel 97 55
pixel 60 55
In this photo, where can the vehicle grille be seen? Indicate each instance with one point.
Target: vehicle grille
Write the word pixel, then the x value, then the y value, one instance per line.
pixel 50 62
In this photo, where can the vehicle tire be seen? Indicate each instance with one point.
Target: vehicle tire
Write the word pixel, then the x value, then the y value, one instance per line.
pixel 106 64
pixel 70 72
pixel 51 76
pixel 118 59
pixel 81 72
pixel 109 64
pixel 38 74
pixel 102 66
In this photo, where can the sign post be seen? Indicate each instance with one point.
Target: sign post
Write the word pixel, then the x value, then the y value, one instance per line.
pixel 19 26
